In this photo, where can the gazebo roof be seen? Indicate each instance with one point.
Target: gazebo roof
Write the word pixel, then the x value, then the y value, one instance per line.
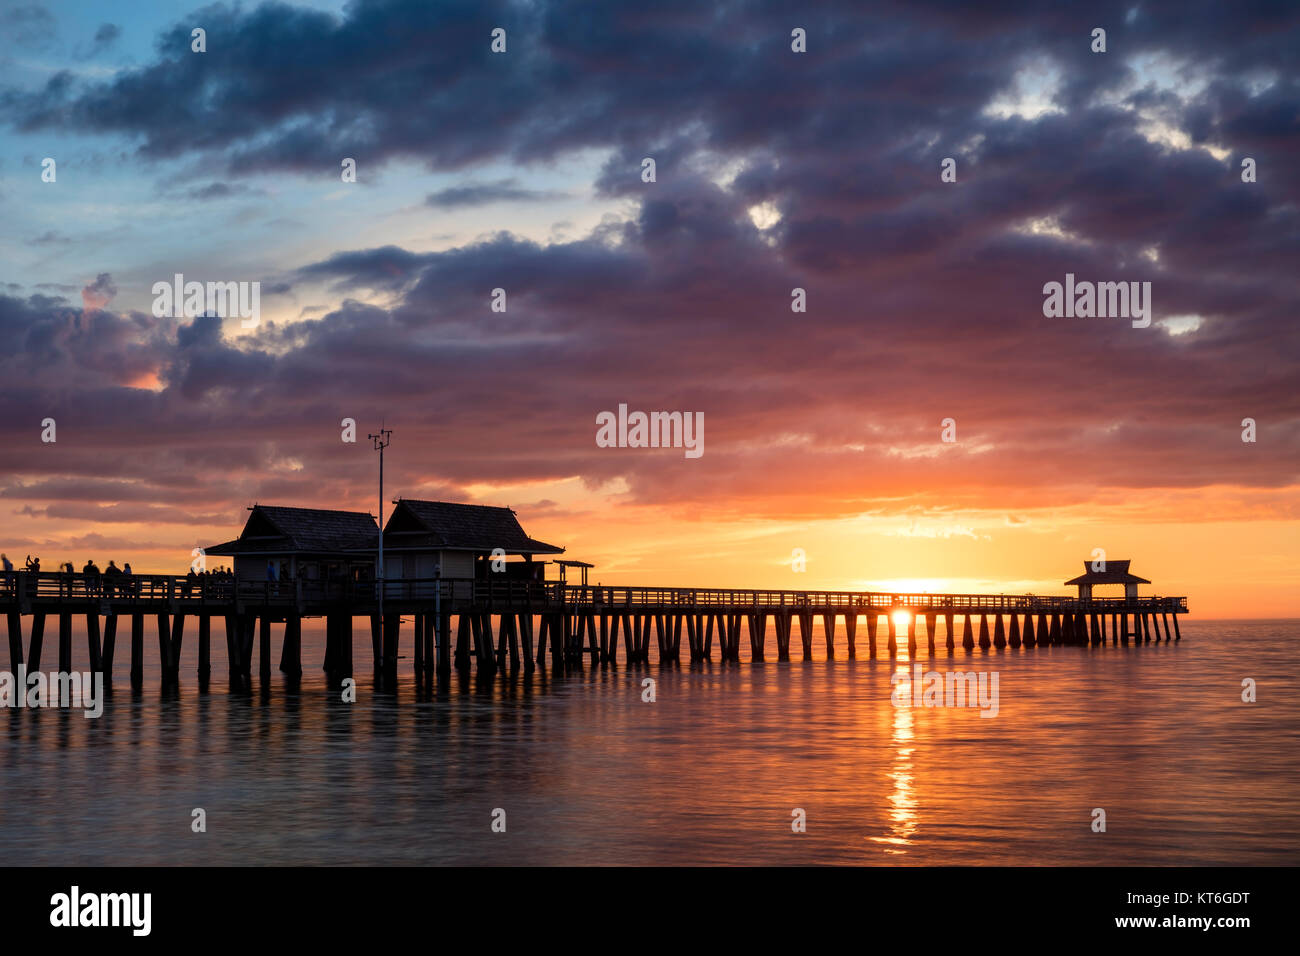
pixel 451 526
pixel 1116 573
pixel 272 529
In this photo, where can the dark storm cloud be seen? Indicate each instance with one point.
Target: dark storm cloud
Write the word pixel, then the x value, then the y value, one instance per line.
pixel 924 298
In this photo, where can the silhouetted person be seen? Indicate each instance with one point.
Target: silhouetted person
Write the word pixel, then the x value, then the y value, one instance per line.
pixel 111 574
pixel 91 571
pixel 128 586
pixel 33 564
pixel 7 567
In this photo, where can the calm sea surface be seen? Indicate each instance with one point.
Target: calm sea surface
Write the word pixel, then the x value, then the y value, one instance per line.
pixel 710 772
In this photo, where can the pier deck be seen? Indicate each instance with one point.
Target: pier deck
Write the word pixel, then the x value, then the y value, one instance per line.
pixel 579 621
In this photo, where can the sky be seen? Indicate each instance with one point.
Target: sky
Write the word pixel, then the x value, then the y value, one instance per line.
pixel 824 462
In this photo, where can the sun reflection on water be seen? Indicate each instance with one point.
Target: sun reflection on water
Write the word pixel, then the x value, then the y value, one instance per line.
pixel 902 800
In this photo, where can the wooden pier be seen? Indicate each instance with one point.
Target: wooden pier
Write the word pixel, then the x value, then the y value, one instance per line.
pixel 576 625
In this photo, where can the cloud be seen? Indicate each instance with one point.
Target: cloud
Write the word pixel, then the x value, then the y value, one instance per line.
pixel 481 194
pixel 105 37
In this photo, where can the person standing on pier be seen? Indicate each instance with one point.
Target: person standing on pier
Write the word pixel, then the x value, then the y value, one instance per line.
pixel 7 567
pixel 91 571
pixel 111 574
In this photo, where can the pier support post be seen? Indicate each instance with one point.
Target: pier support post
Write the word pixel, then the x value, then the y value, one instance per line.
pixel 93 648
pixel 1013 638
pixel 1177 635
pixel 893 633
pixel 828 626
pixel 110 640
pixel 419 645
pixel 931 622
pixel 232 645
pixel 785 624
pixel 38 638
pixel 999 635
pixel 178 633
pixel 851 632
pixel 291 652
pixel 757 636
pixel 629 638
pixel 967 634
pixel 525 622
pixel 984 632
pixel 165 647
pixel 463 639
pixel 264 647
pixel 377 642
pixel 137 650
pixel 15 641
pixel 1027 637
pixel 205 647
pixel 873 621
pixel 805 633
pixel 950 642
pixel 392 634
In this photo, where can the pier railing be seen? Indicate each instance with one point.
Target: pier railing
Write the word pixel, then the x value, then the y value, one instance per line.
pixel 213 593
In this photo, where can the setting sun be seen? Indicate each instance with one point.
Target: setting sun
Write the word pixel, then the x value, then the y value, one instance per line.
pixel 901 619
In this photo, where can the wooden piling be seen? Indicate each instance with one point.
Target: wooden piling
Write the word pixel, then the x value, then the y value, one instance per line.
pixel 93 647
pixel 205 647
pixel 232 646
pixel 165 662
pixel 1013 637
pixel 967 634
pixel 377 641
pixel 757 635
pixel 999 635
pixel 1027 637
pixel 110 640
pixel 137 650
pixel 873 621
pixel 291 652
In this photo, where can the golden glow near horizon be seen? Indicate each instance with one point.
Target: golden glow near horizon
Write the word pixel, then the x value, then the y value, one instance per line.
pixel 1225 569
pixel 902 619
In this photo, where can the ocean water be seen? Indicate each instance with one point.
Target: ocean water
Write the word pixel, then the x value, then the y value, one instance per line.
pixel 713 771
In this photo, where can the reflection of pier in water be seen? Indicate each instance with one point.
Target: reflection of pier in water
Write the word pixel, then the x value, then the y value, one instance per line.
pixel 453 621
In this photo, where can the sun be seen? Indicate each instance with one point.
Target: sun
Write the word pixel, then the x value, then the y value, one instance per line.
pixel 901 619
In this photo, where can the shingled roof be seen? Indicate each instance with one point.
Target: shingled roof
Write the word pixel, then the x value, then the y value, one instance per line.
pixel 445 525
pixel 1116 573
pixel 276 529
